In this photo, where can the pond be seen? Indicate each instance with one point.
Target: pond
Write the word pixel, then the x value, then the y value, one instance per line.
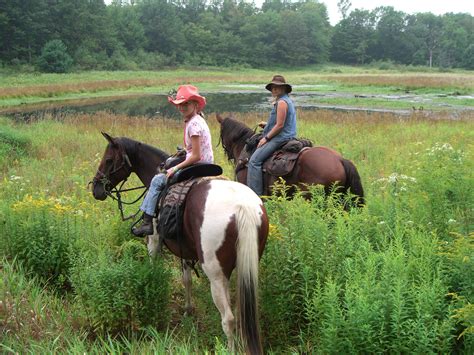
pixel 145 105
pixel 231 101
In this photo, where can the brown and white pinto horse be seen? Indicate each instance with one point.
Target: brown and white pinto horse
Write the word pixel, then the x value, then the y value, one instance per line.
pixel 317 165
pixel 225 227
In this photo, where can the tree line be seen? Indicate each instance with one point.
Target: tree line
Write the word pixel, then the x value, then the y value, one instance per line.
pixel 61 35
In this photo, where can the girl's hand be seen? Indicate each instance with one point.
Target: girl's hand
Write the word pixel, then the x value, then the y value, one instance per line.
pixel 170 172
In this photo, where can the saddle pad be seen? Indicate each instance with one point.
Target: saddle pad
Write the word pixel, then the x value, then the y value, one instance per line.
pixel 170 217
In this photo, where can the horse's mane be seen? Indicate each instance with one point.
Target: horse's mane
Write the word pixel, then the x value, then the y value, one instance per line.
pixel 130 146
pixel 233 132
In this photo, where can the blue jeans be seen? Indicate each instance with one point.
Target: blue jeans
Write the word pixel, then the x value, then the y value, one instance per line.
pixel 254 173
pixel 156 186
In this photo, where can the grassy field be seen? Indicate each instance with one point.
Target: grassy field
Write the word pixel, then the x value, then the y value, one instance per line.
pixel 402 265
pixel 33 88
pixel 395 276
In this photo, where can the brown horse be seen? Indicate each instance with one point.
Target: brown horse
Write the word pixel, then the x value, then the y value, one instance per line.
pixel 225 227
pixel 317 165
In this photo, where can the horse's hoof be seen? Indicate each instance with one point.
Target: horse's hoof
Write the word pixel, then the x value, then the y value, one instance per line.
pixel 189 311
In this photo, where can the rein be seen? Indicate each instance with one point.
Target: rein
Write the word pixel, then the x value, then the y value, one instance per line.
pixel 105 181
pixel 235 140
pixel 120 203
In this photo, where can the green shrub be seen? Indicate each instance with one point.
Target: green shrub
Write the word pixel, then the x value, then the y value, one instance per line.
pixel 44 233
pixel 125 292
pixel 303 249
pixel 88 57
pixel 444 185
pixel 31 315
pixel 344 283
pixel 13 145
pixel 152 61
pixel 54 58
pixel 458 253
pixel 42 242
pixel 119 60
pixel 383 64
pixel 40 236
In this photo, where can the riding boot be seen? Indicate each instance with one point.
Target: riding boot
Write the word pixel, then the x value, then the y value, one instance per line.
pixel 146 227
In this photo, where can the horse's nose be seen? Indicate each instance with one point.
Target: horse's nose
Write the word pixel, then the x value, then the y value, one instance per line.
pixel 98 191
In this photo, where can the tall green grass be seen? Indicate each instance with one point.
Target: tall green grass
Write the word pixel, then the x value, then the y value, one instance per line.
pixel 395 276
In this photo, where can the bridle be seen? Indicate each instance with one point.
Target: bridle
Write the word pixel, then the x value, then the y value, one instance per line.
pixel 228 147
pixel 104 179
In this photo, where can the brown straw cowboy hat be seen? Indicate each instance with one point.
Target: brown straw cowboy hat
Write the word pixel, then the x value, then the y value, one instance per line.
pixel 280 81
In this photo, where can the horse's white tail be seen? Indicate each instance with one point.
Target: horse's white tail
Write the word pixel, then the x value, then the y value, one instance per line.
pixel 248 222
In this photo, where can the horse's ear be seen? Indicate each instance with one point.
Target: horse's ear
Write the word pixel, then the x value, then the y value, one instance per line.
pixel 109 138
pixel 219 118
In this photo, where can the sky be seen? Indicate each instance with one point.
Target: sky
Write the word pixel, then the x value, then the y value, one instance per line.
pixel 437 7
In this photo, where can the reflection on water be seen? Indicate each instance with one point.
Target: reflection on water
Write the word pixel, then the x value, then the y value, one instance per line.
pixel 153 106
pixel 234 101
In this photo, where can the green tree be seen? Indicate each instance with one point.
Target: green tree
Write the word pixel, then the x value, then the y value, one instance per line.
pixel 456 36
pixel 344 7
pixel 54 58
pixel 128 29
pixel 468 60
pixel 203 39
pixel 391 41
pixel 353 37
pixel 276 5
pixel 163 28
pixel 259 36
pixel 293 42
pixel 24 29
pixel 423 31
pixel 87 30
pixel 316 19
pixel 191 10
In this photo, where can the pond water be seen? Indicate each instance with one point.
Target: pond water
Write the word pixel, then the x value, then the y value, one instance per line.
pixel 231 101
pixel 146 105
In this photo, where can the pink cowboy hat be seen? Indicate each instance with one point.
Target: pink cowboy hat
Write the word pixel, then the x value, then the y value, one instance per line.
pixel 188 93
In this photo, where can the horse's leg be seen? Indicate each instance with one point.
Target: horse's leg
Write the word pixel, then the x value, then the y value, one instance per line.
pixel 188 282
pixel 221 296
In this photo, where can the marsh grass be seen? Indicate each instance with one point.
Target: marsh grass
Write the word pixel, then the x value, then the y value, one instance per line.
pixel 30 88
pixel 13 145
pixel 407 81
pixel 396 103
pixel 395 276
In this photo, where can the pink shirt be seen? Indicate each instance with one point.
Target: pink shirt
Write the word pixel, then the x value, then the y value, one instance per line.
pixel 197 126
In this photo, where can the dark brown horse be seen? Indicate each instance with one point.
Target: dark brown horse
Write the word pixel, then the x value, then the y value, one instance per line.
pixel 225 227
pixel 317 165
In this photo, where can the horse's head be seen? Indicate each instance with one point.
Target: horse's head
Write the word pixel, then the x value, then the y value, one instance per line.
pixel 114 167
pixel 233 135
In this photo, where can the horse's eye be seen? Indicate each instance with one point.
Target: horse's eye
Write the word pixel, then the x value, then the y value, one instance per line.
pixel 109 161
